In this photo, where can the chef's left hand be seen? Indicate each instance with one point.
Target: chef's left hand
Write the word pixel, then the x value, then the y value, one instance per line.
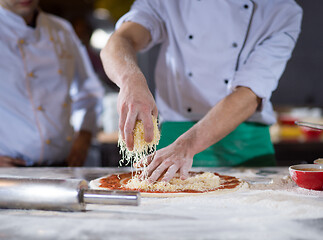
pixel 169 160
pixel 79 149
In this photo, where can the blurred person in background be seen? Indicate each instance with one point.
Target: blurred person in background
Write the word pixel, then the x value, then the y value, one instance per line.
pixel 46 78
pixel 218 65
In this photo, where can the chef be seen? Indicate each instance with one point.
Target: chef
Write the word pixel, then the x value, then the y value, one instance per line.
pixel 45 78
pixel 218 65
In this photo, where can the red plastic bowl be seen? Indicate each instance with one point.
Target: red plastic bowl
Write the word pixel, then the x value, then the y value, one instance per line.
pixel 311 134
pixel 287 120
pixel 304 177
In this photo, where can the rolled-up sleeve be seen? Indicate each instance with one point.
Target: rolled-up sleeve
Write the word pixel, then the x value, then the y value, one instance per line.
pixel 264 65
pixel 144 13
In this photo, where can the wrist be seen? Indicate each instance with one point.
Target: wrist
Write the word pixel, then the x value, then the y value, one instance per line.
pixel 186 142
pixel 132 79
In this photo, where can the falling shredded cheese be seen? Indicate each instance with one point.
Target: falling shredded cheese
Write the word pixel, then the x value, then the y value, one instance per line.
pixel 141 148
pixel 200 182
pixel 138 156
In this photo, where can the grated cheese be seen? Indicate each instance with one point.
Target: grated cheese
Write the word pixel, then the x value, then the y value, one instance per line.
pixel 141 148
pixel 200 182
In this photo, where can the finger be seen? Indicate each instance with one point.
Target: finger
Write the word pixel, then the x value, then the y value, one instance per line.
pixel 172 170
pixel 122 121
pixel 128 130
pixel 151 157
pixel 142 164
pixel 144 174
pixel 155 112
pixel 158 172
pixel 148 126
pixel 153 163
pixel 184 173
pixel 146 161
pixel 139 164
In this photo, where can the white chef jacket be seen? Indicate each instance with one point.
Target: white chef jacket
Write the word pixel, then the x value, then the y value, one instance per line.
pixel 209 47
pixel 45 77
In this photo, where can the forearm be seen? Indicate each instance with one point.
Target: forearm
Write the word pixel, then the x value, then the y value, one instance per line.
pixel 85 135
pixel 220 120
pixel 135 101
pixel 119 61
pixel 79 149
pixel 119 55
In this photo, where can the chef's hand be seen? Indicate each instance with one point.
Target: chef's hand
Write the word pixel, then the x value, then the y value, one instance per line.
pixel 79 149
pixel 11 162
pixel 170 160
pixel 135 102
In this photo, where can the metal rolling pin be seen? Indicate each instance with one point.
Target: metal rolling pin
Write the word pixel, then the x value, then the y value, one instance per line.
pixel 58 194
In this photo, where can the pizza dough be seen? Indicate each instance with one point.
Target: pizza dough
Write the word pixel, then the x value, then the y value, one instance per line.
pixel 204 183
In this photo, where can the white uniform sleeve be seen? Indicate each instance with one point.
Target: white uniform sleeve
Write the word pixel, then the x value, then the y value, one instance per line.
pixel 86 91
pixel 264 66
pixel 145 13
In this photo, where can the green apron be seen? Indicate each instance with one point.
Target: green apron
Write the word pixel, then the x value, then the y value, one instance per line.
pixel 248 145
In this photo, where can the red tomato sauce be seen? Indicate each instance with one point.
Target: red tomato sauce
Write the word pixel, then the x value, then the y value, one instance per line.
pixel 115 182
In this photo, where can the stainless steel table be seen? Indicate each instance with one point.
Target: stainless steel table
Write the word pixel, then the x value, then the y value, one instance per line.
pixel 273 207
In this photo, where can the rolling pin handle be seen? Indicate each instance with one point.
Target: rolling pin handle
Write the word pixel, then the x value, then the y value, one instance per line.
pixel 111 197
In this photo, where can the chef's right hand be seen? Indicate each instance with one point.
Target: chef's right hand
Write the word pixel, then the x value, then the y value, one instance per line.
pixel 11 162
pixel 135 102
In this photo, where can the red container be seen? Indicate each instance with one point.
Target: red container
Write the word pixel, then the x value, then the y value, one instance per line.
pixel 309 176
pixel 287 120
pixel 311 134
